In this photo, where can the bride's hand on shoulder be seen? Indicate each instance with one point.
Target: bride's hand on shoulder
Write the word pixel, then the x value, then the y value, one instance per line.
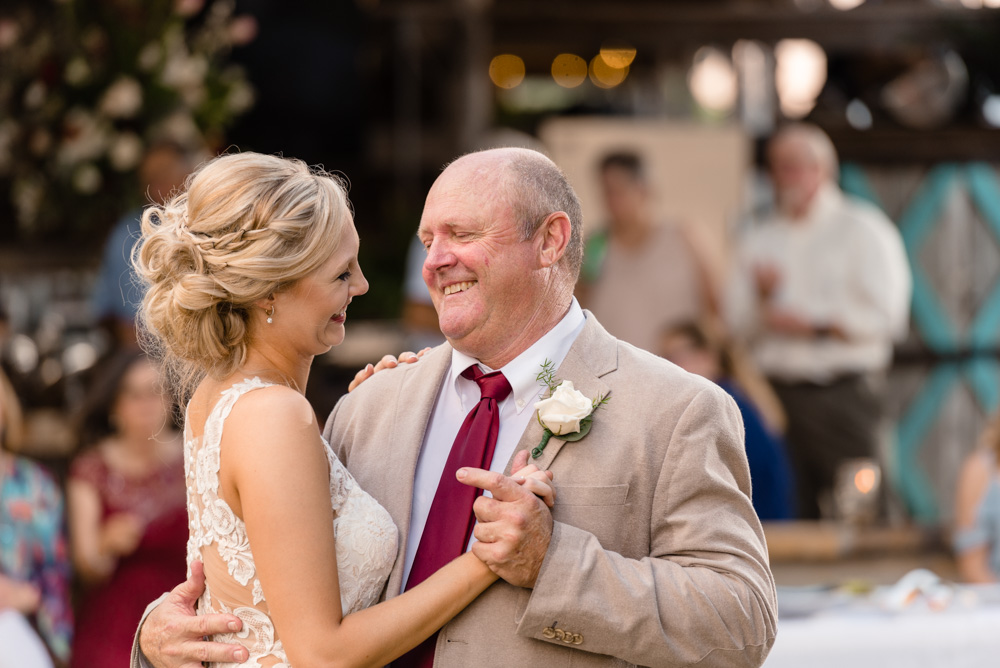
pixel 387 362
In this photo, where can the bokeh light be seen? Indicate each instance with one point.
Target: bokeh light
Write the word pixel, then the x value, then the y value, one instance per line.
pixel 712 80
pixel 617 55
pixel 865 480
pixel 859 116
pixel 799 76
pixel 991 110
pixel 605 76
pixel 845 5
pixel 506 70
pixel 569 70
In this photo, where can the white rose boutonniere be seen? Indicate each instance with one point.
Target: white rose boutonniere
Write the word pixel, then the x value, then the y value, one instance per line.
pixel 565 412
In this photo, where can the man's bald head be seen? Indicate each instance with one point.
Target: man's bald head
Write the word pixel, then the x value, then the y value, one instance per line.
pixel 802 161
pixel 811 143
pixel 530 186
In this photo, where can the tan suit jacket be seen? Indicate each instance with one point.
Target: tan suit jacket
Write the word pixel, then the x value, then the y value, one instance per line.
pixel 656 558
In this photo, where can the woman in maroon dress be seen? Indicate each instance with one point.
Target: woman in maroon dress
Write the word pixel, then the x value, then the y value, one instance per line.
pixel 127 516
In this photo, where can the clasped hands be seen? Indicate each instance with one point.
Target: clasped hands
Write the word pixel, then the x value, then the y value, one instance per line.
pixel 512 537
pixel 515 525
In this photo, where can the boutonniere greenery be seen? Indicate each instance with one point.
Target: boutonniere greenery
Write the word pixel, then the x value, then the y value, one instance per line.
pixel 565 411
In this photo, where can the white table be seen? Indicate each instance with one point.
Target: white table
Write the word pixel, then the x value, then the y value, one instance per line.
pixel 863 636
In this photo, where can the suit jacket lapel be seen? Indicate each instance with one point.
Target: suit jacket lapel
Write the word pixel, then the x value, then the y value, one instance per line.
pixel 592 355
pixel 414 405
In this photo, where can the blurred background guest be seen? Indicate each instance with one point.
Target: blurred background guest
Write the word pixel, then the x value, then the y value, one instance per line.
pixel 117 295
pixel 821 294
pixel 34 566
pixel 977 510
pixel 692 347
pixel 640 273
pixel 128 524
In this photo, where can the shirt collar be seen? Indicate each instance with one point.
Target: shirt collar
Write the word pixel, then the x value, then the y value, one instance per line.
pixel 522 371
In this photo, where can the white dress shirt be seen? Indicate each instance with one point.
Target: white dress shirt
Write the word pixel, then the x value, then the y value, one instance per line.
pixel 459 395
pixel 843 264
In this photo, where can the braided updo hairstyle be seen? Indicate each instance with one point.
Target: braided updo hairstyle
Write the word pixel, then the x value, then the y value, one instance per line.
pixel 245 226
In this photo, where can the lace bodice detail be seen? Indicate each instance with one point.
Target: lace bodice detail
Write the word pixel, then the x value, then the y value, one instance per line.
pixel 366 540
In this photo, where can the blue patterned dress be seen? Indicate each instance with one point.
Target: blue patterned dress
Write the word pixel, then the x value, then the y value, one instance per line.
pixel 33 546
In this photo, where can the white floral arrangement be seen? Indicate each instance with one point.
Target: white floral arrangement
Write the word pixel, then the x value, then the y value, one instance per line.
pixel 85 86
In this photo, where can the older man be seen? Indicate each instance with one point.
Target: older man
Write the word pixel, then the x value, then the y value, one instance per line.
pixel 652 554
pixel 823 292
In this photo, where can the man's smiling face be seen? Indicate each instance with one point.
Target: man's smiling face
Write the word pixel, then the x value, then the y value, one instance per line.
pixel 483 278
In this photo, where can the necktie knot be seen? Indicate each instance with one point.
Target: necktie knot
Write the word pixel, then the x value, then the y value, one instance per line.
pixel 492 385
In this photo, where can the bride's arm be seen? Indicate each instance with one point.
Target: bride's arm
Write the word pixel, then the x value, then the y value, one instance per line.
pixel 274 474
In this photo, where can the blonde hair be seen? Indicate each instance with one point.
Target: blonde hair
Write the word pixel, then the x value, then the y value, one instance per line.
pixel 11 417
pixel 244 227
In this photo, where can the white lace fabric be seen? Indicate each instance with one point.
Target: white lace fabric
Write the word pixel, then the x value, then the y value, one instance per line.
pixel 366 541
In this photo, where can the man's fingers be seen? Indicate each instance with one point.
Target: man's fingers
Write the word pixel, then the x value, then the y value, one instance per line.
pixel 210 625
pixel 214 652
pixel 486 509
pixel 188 591
pixel 500 486
pixel 482 533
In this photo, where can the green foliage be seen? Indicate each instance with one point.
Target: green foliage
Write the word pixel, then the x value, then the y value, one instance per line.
pixel 86 85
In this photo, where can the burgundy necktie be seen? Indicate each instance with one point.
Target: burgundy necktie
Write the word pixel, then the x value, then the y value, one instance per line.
pixel 451 520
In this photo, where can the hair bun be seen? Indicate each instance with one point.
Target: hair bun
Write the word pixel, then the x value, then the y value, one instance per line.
pixel 246 226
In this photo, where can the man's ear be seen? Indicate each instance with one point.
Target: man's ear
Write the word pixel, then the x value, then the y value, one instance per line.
pixel 554 232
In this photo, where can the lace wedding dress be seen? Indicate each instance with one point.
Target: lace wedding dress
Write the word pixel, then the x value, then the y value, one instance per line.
pixel 365 539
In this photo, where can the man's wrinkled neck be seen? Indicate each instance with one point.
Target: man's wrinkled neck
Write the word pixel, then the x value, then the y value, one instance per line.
pixel 522 338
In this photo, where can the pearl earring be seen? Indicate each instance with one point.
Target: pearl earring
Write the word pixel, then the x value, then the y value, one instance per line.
pixel 270 314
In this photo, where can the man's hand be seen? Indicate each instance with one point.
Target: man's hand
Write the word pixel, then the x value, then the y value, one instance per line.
pixel 173 634
pixel 766 279
pixel 387 362
pixel 514 528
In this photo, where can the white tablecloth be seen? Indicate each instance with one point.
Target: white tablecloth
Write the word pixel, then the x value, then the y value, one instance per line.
pixel 849 637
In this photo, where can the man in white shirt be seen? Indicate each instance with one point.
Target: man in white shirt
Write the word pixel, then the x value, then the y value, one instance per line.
pixel 821 293
pixel 652 554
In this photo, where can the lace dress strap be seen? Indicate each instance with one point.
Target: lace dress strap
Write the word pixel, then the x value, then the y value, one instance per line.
pixel 213 425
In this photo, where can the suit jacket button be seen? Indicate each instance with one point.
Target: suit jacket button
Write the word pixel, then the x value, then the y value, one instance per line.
pixel 577 639
pixel 548 632
pixel 560 634
pixel 568 638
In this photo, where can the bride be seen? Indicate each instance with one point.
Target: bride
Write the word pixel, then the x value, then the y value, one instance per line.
pixel 249 273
